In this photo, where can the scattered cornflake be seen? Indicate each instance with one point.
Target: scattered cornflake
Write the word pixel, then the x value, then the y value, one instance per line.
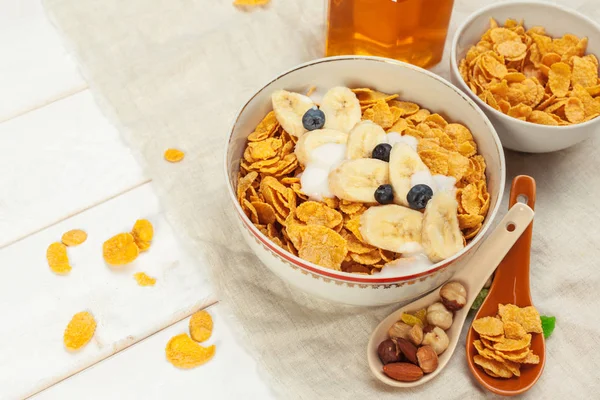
pixel 201 325
pixel 143 279
pixel 183 352
pixel 251 2
pixel 74 237
pixel 174 155
pixel 142 233
pixel 58 261
pixel 120 249
pixel 79 331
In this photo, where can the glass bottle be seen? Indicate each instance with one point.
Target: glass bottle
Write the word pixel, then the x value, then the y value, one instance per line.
pixel 413 31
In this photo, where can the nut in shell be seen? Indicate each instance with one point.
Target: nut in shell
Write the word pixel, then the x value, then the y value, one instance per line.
pixel 415 335
pixel 388 352
pixel 403 372
pixel 428 359
pixel 437 339
pixel 408 349
pixel 454 296
pixel 438 315
pixel 399 330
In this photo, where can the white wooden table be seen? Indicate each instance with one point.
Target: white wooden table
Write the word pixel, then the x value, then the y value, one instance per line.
pixel 63 166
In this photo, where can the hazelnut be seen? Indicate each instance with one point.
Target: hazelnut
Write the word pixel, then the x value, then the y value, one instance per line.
pixel 437 339
pixel 454 296
pixel 388 352
pixel 438 315
pixel 428 328
pixel 399 330
pixel 428 359
pixel 415 335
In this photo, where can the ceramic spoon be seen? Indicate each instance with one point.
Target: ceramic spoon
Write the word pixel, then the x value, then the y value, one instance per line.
pixel 473 276
pixel 511 286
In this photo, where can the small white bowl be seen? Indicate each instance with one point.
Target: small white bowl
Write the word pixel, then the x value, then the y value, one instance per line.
pixel 516 134
pixel 413 84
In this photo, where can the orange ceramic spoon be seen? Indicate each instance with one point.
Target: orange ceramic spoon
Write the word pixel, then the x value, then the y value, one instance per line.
pixel 511 286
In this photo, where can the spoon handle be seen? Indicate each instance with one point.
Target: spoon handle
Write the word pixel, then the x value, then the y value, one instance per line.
pixel 493 249
pixel 513 271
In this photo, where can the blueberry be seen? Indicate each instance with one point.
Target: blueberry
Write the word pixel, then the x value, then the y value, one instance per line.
pixel 382 152
pixel 384 194
pixel 313 119
pixel 418 196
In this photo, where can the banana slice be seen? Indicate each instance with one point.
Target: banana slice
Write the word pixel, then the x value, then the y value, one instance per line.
pixel 404 162
pixel 341 109
pixel 392 227
pixel 289 109
pixel 363 138
pixel 357 180
pixel 441 233
pixel 313 139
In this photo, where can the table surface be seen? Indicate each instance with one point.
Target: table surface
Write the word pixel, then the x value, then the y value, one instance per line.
pixel 64 166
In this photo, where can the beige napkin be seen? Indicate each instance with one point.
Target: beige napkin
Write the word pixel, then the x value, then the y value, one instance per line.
pixel 172 73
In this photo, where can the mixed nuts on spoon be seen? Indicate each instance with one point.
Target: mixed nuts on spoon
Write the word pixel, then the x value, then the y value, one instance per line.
pixel 416 341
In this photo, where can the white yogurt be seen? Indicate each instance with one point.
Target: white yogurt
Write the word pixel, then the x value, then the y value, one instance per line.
pixel 395 137
pixel 437 183
pixel 314 181
pixel 408 264
pixel 423 178
pixel 410 248
pixel 444 183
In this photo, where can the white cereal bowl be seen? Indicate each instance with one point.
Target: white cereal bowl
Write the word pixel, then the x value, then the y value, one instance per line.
pixel 516 134
pixel 412 83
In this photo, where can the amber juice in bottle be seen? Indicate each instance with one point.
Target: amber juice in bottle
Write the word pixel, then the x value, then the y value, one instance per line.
pixel 408 30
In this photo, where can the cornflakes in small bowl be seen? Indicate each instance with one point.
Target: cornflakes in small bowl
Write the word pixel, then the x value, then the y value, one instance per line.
pixel 533 68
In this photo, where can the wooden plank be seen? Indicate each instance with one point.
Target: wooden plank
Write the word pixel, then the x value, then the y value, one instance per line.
pixel 142 372
pixel 36 305
pixel 35 68
pixel 57 161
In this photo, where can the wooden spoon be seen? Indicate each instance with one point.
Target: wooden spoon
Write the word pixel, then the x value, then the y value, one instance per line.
pixel 472 276
pixel 511 286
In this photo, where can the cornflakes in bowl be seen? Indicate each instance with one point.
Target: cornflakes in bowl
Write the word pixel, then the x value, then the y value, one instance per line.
pixel 380 183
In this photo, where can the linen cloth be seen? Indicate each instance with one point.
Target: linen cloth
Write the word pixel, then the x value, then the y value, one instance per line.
pixel 173 73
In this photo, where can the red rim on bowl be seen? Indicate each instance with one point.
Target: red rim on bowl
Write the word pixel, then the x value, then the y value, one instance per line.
pixel 346 276
pixel 489 10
